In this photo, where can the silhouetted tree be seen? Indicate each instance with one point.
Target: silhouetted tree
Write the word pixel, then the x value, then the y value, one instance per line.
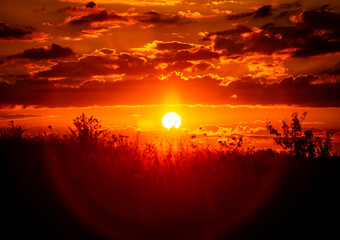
pixel 88 129
pixel 300 143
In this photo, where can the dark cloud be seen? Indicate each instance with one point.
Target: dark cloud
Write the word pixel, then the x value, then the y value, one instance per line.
pixel 100 65
pixel 172 46
pixel 8 33
pixel 291 91
pixel 290 5
pixel 203 66
pixel 92 15
pixel 179 66
pixel 285 15
pixel 91 5
pixel 19 116
pixel 156 18
pixel 261 12
pixel 320 19
pixel 175 55
pixel 231 46
pixel 256 42
pixel 306 90
pixel 183 57
pixel 238 16
pixel 97 17
pixel 268 10
pixel 240 29
pixel 81 11
pixel 315 32
pixel 52 52
pixel 86 67
pixel 317 46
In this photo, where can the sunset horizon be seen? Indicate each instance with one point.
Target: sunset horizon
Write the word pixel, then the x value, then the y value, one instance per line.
pixel 172 119
pixel 213 56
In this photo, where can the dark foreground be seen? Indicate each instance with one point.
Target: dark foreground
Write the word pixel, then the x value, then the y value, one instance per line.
pixel 54 188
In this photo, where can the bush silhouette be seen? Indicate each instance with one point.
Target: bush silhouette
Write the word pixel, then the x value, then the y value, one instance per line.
pixel 88 129
pixel 14 132
pixel 300 143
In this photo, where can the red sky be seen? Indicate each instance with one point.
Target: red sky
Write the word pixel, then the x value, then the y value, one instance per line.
pixel 226 65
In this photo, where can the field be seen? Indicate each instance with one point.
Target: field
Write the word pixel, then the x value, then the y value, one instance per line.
pixel 170 119
pixel 102 186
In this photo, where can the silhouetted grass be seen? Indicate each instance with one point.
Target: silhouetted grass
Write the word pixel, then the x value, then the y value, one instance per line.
pixel 106 186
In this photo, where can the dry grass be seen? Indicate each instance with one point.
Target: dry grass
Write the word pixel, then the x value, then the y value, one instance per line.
pixel 128 190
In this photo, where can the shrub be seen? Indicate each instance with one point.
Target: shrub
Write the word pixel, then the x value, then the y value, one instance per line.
pixel 12 132
pixel 231 144
pixel 88 129
pixel 300 143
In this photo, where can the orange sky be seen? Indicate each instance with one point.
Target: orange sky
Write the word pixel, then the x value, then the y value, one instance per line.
pixel 226 65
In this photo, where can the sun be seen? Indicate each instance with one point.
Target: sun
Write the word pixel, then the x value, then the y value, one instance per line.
pixel 171 119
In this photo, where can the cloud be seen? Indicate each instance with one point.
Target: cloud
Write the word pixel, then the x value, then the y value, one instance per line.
pixel 74 10
pixel 210 130
pixel 285 15
pixel 304 90
pixel 155 18
pixel 100 63
pixel 92 22
pixel 90 5
pixel 53 51
pixel 11 34
pixel 266 11
pixel 19 116
pixel 165 52
pixel 158 57
pixel 260 12
pixel 132 2
pixel 240 29
pixel 248 63
pixel 99 16
pixel 172 46
pixel 179 66
pixel 286 10
pixel 94 18
pixel 290 5
pixel 311 28
pixel 317 46
pixel 319 19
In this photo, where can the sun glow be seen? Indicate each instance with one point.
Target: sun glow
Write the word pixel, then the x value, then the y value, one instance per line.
pixel 171 119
